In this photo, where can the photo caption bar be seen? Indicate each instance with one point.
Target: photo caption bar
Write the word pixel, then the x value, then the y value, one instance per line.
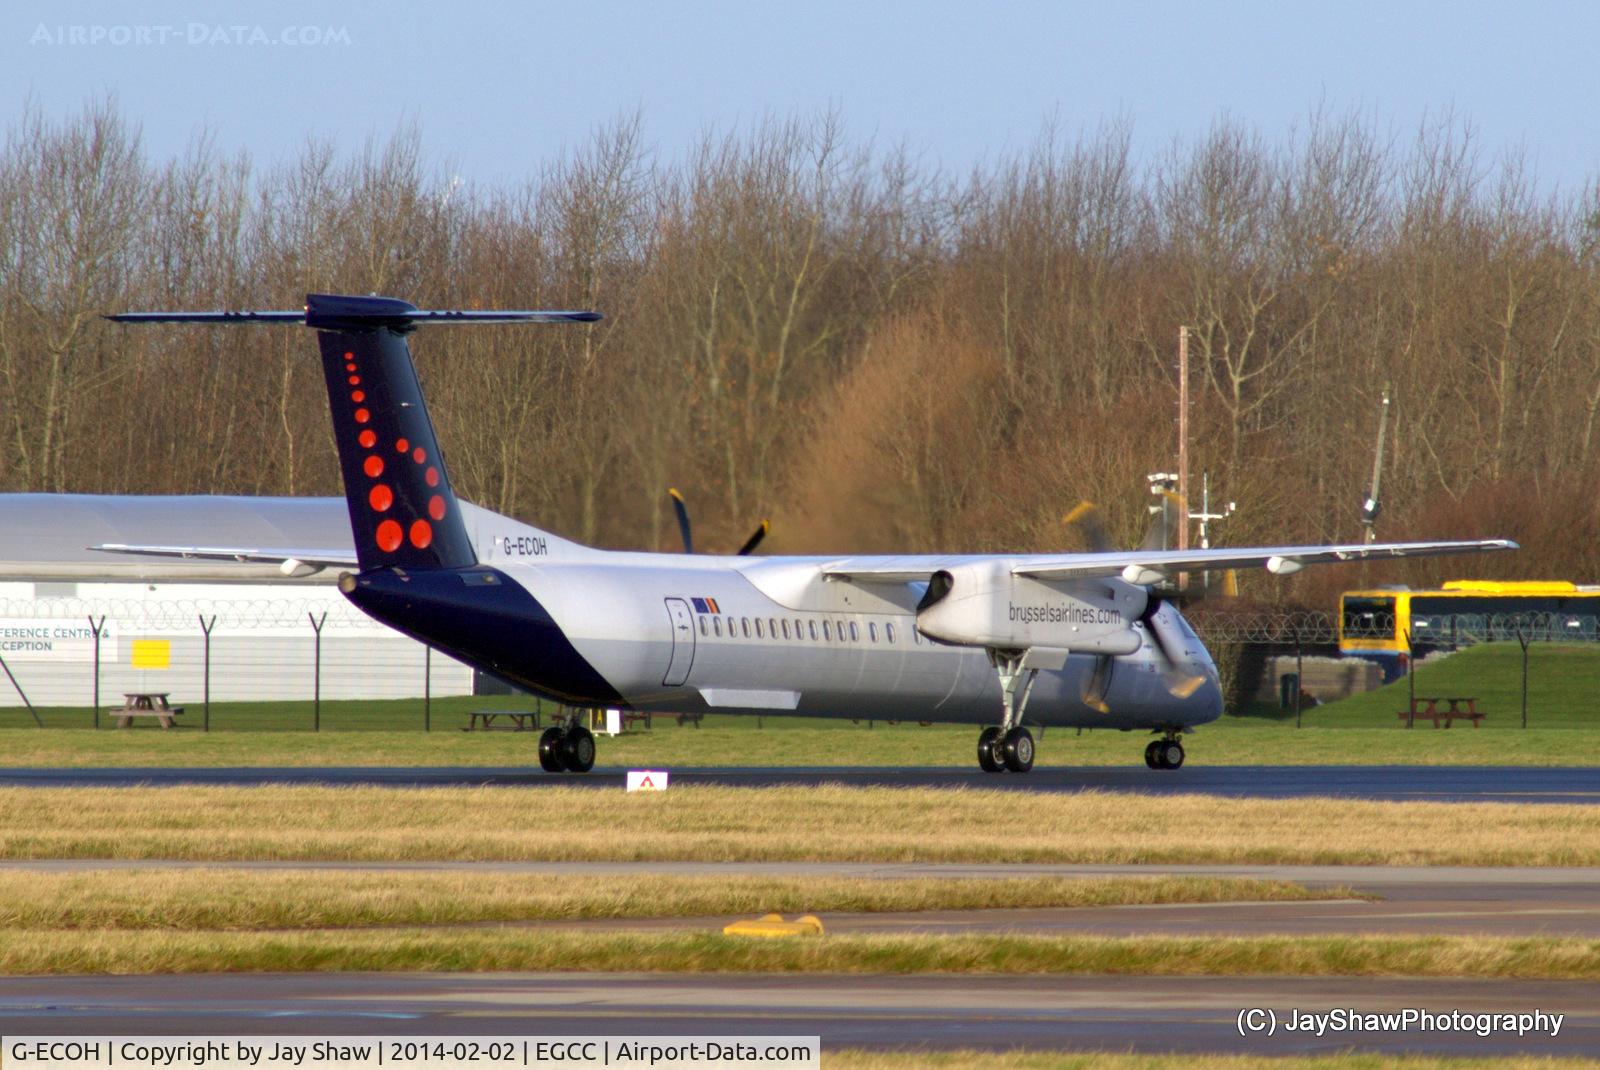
pixel 314 1052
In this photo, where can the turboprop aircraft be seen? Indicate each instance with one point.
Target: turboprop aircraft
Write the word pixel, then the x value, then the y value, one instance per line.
pixel 998 640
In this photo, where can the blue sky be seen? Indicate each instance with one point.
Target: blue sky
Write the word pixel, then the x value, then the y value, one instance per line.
pixel 499 87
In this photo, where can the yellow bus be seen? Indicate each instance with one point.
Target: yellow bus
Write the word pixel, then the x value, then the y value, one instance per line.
pixel 1390 625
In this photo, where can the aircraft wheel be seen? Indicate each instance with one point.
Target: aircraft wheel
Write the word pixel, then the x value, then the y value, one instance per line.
pixel 1017 750
pixel 1150 757
pixel 1170 754
pixel 577 750
pixel 550 751
pixel 988 759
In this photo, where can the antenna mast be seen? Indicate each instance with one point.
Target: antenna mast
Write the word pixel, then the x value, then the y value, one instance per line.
pixel 1183 435
pixel 1373 505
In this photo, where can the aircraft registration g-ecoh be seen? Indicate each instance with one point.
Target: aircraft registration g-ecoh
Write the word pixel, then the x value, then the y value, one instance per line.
pixel 999 640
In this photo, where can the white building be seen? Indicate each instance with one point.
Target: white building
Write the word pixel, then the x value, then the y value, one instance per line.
pixel 56 591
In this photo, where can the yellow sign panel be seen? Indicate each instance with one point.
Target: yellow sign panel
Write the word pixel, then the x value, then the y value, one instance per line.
pixel 152 653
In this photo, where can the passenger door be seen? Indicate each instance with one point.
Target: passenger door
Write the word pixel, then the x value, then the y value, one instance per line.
pixel 682 643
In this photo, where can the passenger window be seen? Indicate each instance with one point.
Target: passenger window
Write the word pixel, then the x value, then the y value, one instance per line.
pixel 744 623
pixel 855 633
pixel 799 633
pixel 872 632
pixel 813 626
pixel 758 629
pixel 733 629
pixel 888 632
pixel 827 633
pixel 839 627
pixel 716 625
pixel 703 629
pixel 786 627
pixel 916 636
pixel 772 627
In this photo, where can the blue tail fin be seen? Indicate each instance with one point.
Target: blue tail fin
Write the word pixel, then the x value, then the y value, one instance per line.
pixel 402 510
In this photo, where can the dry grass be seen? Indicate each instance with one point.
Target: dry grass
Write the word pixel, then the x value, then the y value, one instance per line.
pixel 845 1059
pixel 738 824
pixel 312 899
pixel 60 951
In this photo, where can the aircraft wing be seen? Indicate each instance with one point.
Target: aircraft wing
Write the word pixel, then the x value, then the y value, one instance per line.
pixel 1153 566
pixel 286 558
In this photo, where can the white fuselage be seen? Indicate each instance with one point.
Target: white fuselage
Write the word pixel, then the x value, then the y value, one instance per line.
pixel 771 635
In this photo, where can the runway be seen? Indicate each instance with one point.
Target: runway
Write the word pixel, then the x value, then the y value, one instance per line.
pixel 1398 783
pixel 922 1012
pixel 1148 1014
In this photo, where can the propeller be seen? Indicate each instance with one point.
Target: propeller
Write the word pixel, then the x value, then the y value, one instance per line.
pixel 680 507
pixel 683 519
pixel 1168 518
pixel 1091 526
pixel 1087 519
pixel 755 539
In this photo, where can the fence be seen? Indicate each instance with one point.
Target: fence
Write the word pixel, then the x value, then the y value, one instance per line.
pixel 313 661
pixel 310 662
pixel 1256 650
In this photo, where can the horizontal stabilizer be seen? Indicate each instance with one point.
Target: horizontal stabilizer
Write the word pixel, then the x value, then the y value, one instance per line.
pixel 335 312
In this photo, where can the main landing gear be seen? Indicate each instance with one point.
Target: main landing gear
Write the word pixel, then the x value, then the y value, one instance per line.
pixel 566 750
pixel 999 751
pixel 1007 745
pixel 1164 753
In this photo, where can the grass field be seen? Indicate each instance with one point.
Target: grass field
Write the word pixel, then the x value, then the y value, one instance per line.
pixel 737 741
pixel 110 951
pixel 737 824
pixel 1360 730
pixel 229 899
pixel 1563 688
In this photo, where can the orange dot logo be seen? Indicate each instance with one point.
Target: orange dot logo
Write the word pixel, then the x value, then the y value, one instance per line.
pixel 367 438
pixel 388 536
pixel 355 380
pixel 419 455
pixel 431 476
pixel 374 466
pixel 349 356
pixel 401 446
pixel 358 396
pixel 349 367
pixel 362 416
pixel 436 507
pixel 380 498
pixel 421 534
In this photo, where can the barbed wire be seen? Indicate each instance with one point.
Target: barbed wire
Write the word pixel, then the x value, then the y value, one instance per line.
pixel 1314 628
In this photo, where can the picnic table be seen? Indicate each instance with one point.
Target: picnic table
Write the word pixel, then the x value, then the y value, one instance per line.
pixel 145 704
pixel 521 721
pixel 1457 708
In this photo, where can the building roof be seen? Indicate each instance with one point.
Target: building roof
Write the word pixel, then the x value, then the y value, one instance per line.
pixel 46 537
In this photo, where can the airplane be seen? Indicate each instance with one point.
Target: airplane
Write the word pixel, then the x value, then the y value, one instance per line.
pixel 1003 641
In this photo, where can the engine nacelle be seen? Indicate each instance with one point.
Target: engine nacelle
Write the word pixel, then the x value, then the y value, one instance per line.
pixel 983 604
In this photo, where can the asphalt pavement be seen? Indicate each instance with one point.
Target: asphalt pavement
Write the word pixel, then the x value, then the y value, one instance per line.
pixel 1422 783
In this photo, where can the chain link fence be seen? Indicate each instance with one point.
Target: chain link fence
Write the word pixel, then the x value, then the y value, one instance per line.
pixel 313 662
pixel 251 663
